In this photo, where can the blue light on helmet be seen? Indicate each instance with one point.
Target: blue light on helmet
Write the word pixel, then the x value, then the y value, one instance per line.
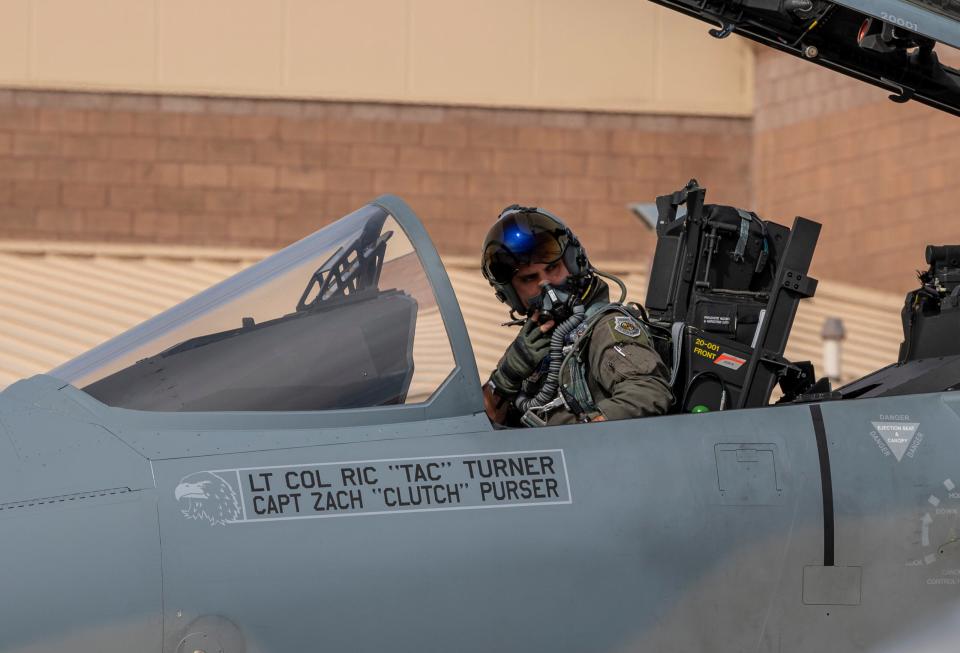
pixel 518 241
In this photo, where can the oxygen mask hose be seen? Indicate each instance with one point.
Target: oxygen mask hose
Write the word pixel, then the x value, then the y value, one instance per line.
pixel 549 389
pixel 617 280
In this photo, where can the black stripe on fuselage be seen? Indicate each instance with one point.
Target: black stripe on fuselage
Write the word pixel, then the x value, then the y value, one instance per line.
pixel 826 484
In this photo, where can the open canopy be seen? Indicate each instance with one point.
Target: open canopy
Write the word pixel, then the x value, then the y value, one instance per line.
pixel 889 43
pixel 345 318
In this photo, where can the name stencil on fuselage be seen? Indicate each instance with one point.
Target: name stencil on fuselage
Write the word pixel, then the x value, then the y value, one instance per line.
pixel 376 487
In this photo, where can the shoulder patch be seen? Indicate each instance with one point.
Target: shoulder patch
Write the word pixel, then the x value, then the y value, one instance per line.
pixel 627 326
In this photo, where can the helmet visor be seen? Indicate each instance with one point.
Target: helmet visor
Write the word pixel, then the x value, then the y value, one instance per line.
pixel 520 239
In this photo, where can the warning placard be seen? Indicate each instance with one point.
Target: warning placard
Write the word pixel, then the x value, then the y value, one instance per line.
pixel 376 487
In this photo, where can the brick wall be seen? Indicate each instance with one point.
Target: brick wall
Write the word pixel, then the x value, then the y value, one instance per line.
pixel 233 171
pixel 878 175
pixel 117 167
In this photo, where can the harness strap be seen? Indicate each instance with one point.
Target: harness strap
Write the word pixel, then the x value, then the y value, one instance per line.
pixel 744 235
pixel 578 388
pixel 676 337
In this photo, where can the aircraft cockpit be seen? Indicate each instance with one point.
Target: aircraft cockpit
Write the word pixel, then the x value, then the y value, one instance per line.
pixel 346 318
pixel 361 314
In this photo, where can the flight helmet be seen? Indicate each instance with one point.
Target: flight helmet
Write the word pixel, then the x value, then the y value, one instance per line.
pixel 524 235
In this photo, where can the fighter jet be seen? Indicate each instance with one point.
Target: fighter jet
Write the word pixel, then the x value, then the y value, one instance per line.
pixel 298 459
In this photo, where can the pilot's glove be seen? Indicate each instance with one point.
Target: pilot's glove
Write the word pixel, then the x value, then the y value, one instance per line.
pixel 522 357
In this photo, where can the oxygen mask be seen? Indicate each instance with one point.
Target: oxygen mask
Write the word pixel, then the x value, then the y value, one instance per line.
pixel 554 302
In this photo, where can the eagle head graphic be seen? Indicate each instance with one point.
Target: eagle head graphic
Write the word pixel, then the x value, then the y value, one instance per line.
pixel 205 495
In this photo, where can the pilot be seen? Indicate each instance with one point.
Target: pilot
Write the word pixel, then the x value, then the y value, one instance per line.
pixel 578 356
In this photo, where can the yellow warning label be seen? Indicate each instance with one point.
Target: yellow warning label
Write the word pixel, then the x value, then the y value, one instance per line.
pixel 708 350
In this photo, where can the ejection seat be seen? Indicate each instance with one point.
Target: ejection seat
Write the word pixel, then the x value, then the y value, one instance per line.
pixel 724 289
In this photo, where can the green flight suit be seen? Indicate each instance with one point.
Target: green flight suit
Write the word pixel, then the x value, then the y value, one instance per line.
pixel 625 375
